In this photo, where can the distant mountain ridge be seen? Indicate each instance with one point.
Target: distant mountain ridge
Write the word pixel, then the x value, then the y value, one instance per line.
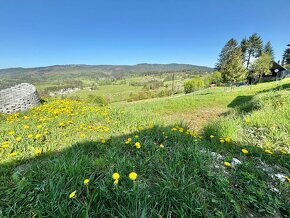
pixel 104 69
pixel 74 73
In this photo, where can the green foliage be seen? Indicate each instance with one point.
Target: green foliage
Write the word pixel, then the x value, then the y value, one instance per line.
pixel 99 100
pixel 251 48
pixel 269 50
pixel 230 63
pixel 194 84
pixel 226 53
pixel 233 69
pixel 152 84
pixel 144 94
pixel 216 77
pixel 286 57
pixel 261 65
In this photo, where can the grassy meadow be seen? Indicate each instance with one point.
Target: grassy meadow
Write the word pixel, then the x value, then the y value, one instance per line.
pixel 218 152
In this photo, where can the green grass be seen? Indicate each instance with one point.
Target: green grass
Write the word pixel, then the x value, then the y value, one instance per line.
pixel 113 93
pixel 184 179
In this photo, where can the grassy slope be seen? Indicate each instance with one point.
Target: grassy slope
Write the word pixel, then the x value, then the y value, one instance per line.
pixel 182 179
pixel 112 92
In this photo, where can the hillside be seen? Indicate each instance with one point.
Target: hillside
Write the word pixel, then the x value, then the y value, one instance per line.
pixel 71 74
pixel 215 153
pixel 113 70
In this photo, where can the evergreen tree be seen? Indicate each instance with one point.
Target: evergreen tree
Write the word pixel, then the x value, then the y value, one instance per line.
pixel 226 52
pixel 251 47
pixel 234 70
pixel 268 49
pixel 286 57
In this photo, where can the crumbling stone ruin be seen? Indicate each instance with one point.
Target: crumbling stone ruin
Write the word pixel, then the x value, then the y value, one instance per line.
pixel 18 98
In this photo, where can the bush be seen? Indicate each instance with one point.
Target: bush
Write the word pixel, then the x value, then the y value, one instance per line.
pixel 99 100
pixel 141 96
pixel 194 85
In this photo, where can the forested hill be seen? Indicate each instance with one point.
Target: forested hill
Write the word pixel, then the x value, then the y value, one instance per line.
pixel 110 70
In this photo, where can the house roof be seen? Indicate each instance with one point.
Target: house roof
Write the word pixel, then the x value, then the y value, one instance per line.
pixel 275 66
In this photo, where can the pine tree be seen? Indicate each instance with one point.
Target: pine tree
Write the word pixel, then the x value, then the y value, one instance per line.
pixel 268 49
pixel 286 57
pixel 226 53
pixel 234 70
pixel 251 47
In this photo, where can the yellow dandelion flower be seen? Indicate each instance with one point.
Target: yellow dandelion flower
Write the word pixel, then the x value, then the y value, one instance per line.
pixel 26 127
pixel 5 145
pixel 133 176
pixel 247 120
pixel 136 136
pixel 222 141
pixel 11 132
pixel 227 164
pixel 116 176
pixel 245 151
pixel 38 126
pixel 268 151
pixel 161 146
pixel 103 141
pixel 211 136
pixel 73 194
pixel 12 154
pixel 128 141
pixel 29 136
pixel 37 136
pixel 227 139
pixel 138 145
pixel 18 139
pixel 86 181
pixel 38 152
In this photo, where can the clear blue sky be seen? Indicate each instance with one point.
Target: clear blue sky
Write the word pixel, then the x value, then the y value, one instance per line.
pixel 49 32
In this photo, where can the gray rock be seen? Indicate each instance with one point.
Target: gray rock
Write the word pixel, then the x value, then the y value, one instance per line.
pixel 18 98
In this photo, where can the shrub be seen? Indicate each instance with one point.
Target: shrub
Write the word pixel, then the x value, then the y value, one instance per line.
pixel 193 85
pixel 99 100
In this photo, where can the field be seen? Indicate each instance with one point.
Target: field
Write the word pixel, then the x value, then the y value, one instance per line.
pixel 218 152
pixel 114 93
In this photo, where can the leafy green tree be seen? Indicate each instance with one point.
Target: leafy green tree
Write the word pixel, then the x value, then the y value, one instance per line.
pixel 268 49
pixel 261 65
pixel 216 77
pixel 251 48
pixel 193 85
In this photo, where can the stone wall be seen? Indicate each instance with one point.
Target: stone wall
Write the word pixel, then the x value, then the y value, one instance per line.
pixel 18 98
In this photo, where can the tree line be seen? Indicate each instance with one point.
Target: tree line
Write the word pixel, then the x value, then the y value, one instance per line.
pixel 248 59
